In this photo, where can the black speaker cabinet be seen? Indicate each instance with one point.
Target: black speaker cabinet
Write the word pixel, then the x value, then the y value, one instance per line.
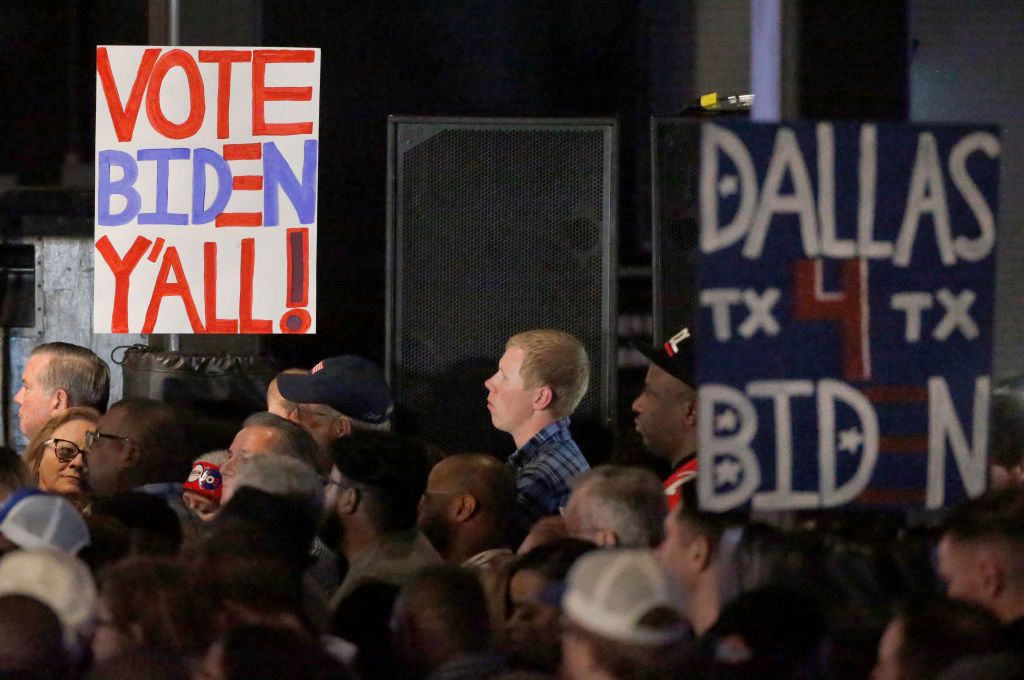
pixel 495 227
pixel 675 178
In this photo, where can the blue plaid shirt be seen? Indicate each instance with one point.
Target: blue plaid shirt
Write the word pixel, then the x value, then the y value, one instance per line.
pixel 543 467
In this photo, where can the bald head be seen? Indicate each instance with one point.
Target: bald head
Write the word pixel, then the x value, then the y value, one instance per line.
pixel 467 504
pixel 488 479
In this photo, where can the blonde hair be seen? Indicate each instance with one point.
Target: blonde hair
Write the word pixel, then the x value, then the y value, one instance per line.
pixel 34 450
pixel 555 359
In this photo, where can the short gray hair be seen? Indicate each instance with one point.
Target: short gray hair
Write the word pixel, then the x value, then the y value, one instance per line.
pixel 78 371
pixel 281 476
pixel 293 440
pixel 627 500
pixel 218 457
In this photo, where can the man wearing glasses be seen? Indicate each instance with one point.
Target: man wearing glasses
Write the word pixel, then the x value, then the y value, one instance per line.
pixel 139 444
pixel 340 395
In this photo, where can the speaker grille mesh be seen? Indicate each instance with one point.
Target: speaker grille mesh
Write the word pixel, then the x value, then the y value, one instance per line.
pixel 676 175
pixel 497 229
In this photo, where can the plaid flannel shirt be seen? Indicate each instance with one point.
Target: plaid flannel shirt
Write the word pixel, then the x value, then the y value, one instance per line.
pixel 543 467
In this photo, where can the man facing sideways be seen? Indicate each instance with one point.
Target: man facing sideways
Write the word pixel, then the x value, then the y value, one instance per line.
pixel 139 442
pixel 466 507
pixel 338 396
pixel 372 492
pixel 981 557
pixel 666 412
pixel 616 506
pixel 57 376
pixel 264 433
pixel 696 552
pixel 541 378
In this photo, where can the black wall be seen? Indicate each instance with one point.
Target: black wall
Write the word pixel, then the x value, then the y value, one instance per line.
pixel 458 57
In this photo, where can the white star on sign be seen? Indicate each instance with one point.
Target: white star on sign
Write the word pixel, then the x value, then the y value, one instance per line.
pixel 728 185
pixel 727 471
pixel 726 421
pixel 850 440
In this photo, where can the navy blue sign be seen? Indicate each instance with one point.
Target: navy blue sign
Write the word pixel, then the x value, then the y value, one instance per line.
pixel 846 305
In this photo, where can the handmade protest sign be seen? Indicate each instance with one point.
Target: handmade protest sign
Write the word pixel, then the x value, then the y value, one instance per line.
pixel 206 190
pixel 846 303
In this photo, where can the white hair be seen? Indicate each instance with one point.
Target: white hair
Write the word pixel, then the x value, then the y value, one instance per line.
pixel 627 500
pixel 282 476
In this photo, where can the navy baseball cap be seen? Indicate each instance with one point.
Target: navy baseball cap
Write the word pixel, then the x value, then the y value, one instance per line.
pixel 677 357
pixel 349 384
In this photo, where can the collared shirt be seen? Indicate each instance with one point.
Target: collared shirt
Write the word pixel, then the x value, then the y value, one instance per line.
pixel 543 467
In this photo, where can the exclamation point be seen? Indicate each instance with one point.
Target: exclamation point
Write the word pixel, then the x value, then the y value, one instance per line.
pixel 297 319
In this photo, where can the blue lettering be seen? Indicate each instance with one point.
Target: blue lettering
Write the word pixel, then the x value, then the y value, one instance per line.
pixel 106 187
pixel 163 157
pixel 202 159
pixel 278 174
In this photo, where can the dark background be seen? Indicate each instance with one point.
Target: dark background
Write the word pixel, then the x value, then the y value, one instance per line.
pixel 434 57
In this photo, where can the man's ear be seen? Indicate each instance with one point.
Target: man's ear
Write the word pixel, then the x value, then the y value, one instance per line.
pixel 59 401
pixel 606 539
pixel 543 397
pixel 691 413
pixel 341 427
pixel 466 508
pixel 991 575
pixel 348 500
pixel 699 552
pixel 132 455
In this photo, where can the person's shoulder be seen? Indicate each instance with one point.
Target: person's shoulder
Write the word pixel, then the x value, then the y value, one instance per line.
pixel 563 453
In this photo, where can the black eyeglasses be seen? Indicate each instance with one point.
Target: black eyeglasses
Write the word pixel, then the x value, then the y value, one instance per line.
pixel 64 450
pixel 92 437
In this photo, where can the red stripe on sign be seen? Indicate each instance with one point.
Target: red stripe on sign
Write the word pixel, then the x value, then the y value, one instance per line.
pixel 885 394
pixel 903 444
pixel 154 252
pixel 242 152
pixel 891 497
pixel 247 182
pixel 239 220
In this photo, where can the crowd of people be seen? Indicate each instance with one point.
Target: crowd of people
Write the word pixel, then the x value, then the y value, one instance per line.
pixel 320 543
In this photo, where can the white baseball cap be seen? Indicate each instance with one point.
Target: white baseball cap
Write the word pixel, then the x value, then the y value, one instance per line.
pixel 32 519
pixel 57 579
pixel 610 592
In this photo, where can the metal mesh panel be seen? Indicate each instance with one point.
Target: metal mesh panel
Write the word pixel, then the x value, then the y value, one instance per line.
pixel 676 173
pixel 496 228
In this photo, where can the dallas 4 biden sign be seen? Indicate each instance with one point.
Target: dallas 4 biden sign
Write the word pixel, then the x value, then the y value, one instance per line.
pixel 846 301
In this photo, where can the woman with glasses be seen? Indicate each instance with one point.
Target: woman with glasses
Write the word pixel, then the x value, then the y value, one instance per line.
pixel 57 455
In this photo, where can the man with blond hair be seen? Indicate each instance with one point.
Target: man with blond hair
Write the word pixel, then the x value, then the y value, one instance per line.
pixel 540 380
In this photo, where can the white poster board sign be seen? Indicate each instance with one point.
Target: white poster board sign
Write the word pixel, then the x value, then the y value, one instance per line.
pixel 206 189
